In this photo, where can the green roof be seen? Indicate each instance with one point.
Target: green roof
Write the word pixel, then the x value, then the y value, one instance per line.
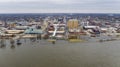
pixel 33 31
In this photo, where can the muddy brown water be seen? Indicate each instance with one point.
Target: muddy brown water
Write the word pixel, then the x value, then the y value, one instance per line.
pixel 42 53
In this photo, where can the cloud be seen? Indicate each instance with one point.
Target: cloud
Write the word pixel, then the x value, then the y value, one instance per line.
pixel 3 1
pixel 60 5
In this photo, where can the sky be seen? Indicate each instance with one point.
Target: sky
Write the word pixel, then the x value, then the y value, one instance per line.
pixel 59 6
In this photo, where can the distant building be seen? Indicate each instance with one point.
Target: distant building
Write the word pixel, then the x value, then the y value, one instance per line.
pixel 0 23
pixel 72 23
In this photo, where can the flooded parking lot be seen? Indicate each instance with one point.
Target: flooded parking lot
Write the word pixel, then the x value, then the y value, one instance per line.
pixel 42 53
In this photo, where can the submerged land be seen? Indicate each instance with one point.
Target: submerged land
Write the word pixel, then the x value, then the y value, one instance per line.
pixel 59 40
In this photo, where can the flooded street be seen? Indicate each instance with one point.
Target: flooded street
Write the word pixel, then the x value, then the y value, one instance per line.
pixel 61 54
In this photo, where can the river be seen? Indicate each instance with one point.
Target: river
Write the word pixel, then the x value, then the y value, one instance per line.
pixel 61 54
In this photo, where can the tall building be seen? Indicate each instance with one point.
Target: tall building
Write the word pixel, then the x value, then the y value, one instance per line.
pixel 72 23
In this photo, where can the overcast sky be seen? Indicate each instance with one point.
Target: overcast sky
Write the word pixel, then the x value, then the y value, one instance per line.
pixel 59 6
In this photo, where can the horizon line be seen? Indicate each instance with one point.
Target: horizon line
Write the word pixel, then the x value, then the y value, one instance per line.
pixel 62 13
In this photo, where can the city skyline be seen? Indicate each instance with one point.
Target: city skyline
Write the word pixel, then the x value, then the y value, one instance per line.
pixel 59 6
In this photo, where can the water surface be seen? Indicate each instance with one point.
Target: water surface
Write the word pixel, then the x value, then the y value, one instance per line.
pixel 61 54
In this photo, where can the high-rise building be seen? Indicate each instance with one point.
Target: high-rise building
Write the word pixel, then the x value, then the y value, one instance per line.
pixel 72 23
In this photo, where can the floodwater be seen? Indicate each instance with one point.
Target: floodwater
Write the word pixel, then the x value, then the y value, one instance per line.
pixel 42 53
